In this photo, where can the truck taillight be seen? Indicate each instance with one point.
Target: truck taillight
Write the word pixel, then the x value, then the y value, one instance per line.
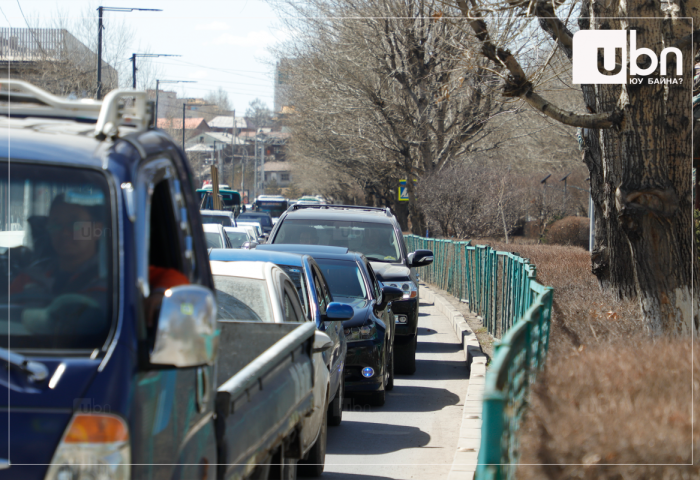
pixel 93 446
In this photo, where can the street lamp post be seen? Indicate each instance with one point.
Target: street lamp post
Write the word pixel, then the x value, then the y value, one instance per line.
pixel 158 82
pixel 100 10
pixel 147 55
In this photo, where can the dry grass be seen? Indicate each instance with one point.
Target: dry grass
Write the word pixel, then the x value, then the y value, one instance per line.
pixel 610 394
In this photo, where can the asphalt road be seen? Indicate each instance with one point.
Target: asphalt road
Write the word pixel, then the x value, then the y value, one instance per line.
pixel 414 435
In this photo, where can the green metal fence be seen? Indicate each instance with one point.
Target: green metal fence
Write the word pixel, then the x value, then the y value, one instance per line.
pixel 502 289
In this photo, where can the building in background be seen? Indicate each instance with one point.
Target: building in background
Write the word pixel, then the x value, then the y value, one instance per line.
pixel 54 60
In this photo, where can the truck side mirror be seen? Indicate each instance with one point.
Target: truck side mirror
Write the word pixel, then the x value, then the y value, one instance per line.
pixel 338 311
pixel 187 334
pixel 420 258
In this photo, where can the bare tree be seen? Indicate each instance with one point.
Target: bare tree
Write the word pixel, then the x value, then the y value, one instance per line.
pixel 390 81
pixel 637 149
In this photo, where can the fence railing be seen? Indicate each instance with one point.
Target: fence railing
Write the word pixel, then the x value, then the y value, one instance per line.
pixel 500 287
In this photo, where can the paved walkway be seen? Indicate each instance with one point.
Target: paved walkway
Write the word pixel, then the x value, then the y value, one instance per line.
pixel 414 435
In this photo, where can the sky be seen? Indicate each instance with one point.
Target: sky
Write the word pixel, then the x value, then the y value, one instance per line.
pixel 221 43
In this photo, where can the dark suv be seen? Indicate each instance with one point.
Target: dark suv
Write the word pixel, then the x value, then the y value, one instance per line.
pixel 375 233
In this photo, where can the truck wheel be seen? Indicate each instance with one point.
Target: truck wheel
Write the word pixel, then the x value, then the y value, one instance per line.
pixel 406 362
pixel 316 461
pixel 335 409
pixel 390 372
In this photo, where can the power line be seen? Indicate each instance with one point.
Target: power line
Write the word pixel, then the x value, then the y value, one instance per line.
pixel 3 14
pixel 25 18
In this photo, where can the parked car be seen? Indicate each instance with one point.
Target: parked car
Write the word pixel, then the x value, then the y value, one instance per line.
pixel 262 292
pixel 240 236
pixel 369 364
pixel 263 218
pixel 215 236
pixel 222 217
pixel 99 385
pixel 252 231
pixel 316 296
pixel 375 233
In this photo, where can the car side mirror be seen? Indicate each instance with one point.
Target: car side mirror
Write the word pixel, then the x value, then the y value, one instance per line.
pixel 420 258
pixel 338 311
pixel 187 333
pixel 389 294
pixel 249 245
pixel 322 342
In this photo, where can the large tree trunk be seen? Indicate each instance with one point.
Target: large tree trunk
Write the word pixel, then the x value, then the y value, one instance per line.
pixel 640 178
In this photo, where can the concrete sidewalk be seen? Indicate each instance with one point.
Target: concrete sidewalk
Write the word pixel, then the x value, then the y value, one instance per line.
pixel 467 449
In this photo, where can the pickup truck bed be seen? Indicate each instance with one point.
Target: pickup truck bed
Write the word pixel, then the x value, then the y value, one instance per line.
pixel 265 382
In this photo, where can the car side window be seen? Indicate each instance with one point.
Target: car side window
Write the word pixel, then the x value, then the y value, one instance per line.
pixel 322 291
pixel 375 283
pixel 292 307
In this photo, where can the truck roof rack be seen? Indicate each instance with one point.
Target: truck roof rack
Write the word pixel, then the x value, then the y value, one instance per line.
pixel 386 210
pixel 20 98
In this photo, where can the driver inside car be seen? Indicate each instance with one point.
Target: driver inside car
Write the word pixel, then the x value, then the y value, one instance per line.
pixel 74 267
pixel 68 282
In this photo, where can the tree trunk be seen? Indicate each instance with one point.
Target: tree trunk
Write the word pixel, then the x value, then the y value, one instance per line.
pixel 640 178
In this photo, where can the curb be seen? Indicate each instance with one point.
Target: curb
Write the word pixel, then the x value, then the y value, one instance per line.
pixel 467 451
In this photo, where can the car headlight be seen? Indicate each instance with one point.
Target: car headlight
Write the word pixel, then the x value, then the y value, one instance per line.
pixel 357 334
pixel 93 447
pixel 410 290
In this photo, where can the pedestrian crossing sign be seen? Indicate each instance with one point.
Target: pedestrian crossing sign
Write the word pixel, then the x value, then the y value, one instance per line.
pixel 403 191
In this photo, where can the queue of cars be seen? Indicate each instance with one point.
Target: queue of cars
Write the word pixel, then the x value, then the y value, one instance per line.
pixel 356 258
pixel 139 343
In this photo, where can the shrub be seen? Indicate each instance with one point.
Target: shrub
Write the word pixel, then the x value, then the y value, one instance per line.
pixel 568 231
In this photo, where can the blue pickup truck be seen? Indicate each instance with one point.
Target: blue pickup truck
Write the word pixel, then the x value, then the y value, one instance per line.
pixel 104 374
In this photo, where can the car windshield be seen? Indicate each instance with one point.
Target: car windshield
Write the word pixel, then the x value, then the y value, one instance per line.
pixel 224 220
pixel 237 238
pixel 344 278
pixel 263 220
pixel 56 255
pixel 213 240
pixel 242 299
pixel 377 241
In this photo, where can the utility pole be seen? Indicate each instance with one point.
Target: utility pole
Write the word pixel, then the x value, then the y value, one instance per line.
pixel 233 151
pixel 100 10
pixel 158 82
pixel 99 54
pixel 147 55
pixel 564 180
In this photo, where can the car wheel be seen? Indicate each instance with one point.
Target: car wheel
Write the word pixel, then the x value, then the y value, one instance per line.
pixel 406 362
pixel 390 372
pixel 335 409
pixel 377 399
pixel 316 461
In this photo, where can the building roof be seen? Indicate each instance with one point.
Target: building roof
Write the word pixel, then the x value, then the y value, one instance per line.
pixel 278 167
pixel 200 147
pixel 223 121
pixel 190 123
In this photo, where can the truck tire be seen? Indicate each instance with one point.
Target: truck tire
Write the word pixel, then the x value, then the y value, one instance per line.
pixel 316 461
pixel 335 409
pixel 406 361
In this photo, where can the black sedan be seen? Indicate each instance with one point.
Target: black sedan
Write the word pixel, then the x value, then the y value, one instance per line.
pixel 369 362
